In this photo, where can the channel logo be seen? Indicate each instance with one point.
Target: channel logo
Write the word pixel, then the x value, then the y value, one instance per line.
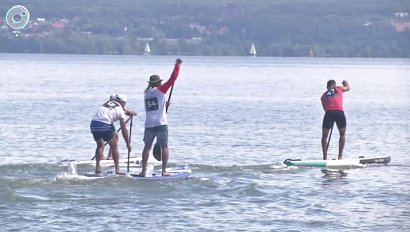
pixel 17 17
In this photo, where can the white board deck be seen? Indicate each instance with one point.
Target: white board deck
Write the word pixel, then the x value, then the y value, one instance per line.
pixel 339 164
pixel 177 173
pixel 134 162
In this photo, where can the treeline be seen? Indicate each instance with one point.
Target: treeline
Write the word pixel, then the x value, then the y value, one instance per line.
pixel 326 28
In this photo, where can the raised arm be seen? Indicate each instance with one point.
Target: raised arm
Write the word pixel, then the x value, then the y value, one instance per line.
pixel 346 86
pixel 164 88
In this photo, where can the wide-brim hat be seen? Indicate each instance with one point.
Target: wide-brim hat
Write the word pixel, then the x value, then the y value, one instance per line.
pixel 154 79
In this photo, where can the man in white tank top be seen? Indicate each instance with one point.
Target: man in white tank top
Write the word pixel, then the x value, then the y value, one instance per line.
pixel 156 124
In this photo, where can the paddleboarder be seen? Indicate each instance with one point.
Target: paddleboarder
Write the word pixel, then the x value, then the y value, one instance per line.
pixel 114 97
pixel 156 124
pixel 332 102
pixel 102 128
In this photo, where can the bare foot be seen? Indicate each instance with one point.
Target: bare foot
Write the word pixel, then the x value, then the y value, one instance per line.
pixel 165 174
pixel 141 174
pixel 339 157
pixel 98 172
pixel 119 173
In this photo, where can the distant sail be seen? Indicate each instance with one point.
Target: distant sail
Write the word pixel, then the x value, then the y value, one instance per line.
pixel 252 52
pixel 311 53
pixel 147 50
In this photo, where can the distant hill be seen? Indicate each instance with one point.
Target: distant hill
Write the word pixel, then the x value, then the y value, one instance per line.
pixel 322 28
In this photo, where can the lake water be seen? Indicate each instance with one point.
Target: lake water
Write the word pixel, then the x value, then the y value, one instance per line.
pixel 233 120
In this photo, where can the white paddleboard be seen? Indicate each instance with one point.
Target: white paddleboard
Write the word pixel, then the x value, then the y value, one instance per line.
pixel 339 164
pixel 134 162
pixel 177 173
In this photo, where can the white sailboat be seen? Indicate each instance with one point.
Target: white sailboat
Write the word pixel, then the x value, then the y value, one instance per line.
pixel 252 51
pixel 147 50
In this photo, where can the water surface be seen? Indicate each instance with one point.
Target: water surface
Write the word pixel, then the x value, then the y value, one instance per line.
pixel 233 120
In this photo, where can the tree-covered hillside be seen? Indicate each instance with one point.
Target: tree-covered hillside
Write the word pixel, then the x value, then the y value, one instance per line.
pixel 350 28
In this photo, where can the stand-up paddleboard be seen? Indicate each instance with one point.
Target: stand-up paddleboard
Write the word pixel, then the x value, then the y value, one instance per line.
pixel 90 175
pixel 333 164
pixel 134 162
pixel 338 164
pixel 109 172
pixel 178 173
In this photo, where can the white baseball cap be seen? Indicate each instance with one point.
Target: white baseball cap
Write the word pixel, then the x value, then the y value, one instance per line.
pixel 113 97
pixel 121 97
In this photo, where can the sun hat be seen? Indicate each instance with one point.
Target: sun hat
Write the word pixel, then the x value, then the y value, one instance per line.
pixel 154 79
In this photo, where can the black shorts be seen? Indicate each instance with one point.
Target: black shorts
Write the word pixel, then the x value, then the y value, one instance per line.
pixel 104 134
pixel 332 116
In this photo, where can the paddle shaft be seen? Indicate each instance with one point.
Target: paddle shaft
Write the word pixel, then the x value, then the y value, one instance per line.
pixel 117 132
pixel 129 151
pixel 169 99
pixel 330 136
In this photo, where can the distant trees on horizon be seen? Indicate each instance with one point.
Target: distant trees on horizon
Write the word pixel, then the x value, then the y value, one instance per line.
pixel 277 28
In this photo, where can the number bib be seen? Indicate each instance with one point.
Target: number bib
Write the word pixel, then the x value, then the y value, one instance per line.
pixel 151 104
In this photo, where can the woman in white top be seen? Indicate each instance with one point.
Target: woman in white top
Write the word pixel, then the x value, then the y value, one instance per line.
pixel 156 117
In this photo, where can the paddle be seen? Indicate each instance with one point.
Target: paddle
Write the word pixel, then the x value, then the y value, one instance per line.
pixel 330 136
pixel 129 141
pixel 157 152
pixel 117 132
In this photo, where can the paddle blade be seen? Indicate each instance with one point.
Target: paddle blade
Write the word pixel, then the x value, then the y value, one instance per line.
pixel 157 152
